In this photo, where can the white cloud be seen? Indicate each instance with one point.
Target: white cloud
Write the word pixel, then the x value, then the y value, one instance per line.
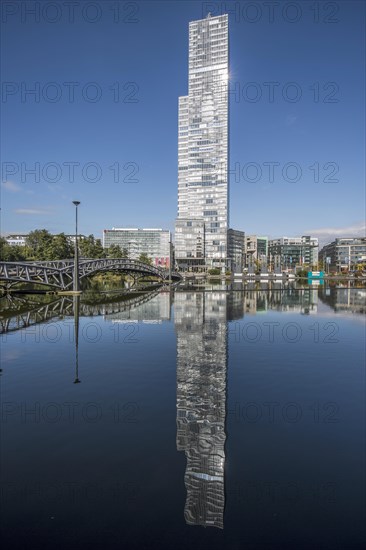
pixel 11 186
pixel 328 234
pixel 31 211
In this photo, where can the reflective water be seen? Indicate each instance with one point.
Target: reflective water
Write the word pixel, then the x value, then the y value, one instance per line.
pixel 208 417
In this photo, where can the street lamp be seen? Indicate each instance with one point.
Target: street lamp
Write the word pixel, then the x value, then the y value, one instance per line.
pixel 170 261
pixel 76 255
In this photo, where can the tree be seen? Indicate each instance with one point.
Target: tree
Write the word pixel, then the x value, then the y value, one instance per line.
pixel 91 248
pixel 144 258
pixel 10 253
pixel 114 251
pixel 39 243
pixel 60 248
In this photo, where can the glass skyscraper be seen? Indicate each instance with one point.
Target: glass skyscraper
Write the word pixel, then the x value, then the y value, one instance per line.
pixel 202 222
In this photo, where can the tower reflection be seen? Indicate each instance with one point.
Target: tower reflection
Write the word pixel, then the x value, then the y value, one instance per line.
pixel 200 322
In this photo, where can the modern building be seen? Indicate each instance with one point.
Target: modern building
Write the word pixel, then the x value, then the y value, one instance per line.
pixel 289 252
pixel 344 253
pixel 256 251
pixel 20 239
pixel 203 186
pixel 236 245
pixel 153 242
pixel 262 250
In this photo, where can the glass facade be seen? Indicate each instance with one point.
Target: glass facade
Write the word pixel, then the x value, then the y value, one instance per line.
pixel 288 252
pixel 344 253
pixel 236 245
pixel 153 242
pixel 203 143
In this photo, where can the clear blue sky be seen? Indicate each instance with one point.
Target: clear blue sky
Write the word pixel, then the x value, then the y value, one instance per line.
pixel 146 52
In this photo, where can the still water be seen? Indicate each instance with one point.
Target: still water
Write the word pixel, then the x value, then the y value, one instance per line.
pixel 204 417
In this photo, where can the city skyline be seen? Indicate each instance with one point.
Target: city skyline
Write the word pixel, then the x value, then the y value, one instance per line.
pixel 274 139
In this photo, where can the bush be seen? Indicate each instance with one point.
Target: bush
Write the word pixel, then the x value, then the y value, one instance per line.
pixel 214 271
pixel 302 273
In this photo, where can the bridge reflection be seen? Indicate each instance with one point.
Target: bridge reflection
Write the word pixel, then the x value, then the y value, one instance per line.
pixel 65 306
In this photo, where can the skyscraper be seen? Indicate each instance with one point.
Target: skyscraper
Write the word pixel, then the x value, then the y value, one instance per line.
pixel 202 222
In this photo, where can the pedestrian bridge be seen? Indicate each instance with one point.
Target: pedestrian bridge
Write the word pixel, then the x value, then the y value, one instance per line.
pixel 59 274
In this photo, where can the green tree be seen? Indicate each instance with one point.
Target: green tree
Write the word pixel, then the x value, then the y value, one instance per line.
pixel 11 253
pixel 114 251
pixel 91 248
pixel 99 251
pixel 60 248
pixel 144 258
pixel 39 243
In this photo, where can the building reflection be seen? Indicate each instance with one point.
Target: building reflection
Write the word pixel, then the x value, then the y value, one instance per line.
pixel 279 297
pixel 200 322
pixel 154 309
pixel 345 298
pixel 202 357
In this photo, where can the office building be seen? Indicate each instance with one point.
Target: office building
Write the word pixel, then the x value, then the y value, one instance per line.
pixel 236 245
pixel 289 252
pixel 344 253
pixel 203 216
pixel 155 243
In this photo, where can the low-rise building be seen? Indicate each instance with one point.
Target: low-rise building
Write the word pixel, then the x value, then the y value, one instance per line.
pixel 16 240
pixel 289 252
pixel 344 253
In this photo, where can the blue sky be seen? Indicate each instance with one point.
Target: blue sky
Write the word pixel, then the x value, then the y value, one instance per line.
pixel 297 109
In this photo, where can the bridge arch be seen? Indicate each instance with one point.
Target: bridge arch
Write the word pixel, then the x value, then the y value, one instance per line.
pixel 59 274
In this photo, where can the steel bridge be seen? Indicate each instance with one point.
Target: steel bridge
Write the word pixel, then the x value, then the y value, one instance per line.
pixel 59 274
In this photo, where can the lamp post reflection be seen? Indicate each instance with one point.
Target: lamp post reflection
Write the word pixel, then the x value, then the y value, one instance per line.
pixel 76 304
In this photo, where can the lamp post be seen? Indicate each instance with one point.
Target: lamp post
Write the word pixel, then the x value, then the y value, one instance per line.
pixel 76 255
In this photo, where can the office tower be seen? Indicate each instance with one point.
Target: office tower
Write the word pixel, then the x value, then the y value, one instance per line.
pixel 203 187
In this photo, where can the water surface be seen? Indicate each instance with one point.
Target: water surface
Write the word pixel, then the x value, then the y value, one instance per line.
pixel 210 417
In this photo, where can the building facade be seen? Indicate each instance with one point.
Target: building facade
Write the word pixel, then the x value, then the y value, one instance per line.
pixel 155 243
pixel 289 252
pixel 256 252
pixel 344 253
pixel 16 240
pixel 236 244
pixel 203 184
